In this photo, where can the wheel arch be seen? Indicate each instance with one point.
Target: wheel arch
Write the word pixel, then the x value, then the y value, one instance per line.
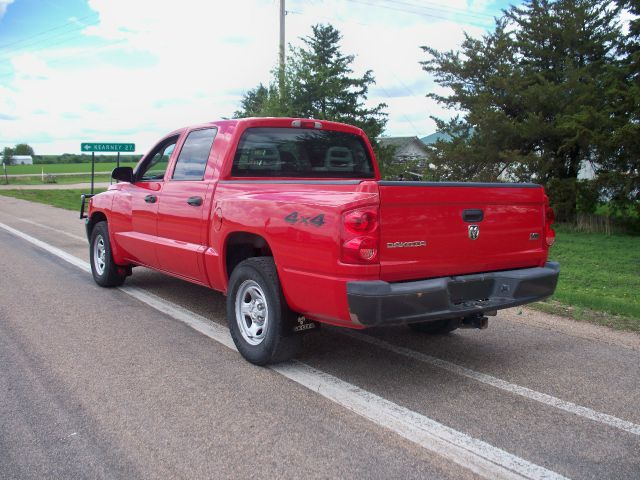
pixel 240 245
pixel 97 216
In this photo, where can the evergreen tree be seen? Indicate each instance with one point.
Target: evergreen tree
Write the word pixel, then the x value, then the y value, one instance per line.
pixel 533 96
pixel 319 84
pixel 619 171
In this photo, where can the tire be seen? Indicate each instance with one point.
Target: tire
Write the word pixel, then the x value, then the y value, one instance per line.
pixel 105 272
pixel 438 327
pixel 258 315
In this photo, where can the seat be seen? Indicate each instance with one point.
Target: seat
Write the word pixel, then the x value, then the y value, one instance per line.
pixel 339 159
pixel 265 158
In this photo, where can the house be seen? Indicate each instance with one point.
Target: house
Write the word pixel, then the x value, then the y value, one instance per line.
pixel 22 160
pixel 407 149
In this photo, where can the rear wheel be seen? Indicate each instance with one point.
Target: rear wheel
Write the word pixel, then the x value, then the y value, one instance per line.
pixel 437 327
pixel 258 316
pixel 105 272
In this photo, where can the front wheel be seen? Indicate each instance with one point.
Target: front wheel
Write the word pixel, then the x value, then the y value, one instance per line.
pixel 105 272
pixel 258 315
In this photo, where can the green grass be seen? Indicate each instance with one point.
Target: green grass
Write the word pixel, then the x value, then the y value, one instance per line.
pixel 60 179
pixel 69 199
pixel 63 168
pixel 599 278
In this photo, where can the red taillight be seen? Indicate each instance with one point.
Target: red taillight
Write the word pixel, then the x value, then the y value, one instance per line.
pixel 306 124
pixel 361 221
pixel 360 250
pixel 550 217
pixel 360 237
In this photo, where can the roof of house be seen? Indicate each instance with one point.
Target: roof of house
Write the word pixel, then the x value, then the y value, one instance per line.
pixel 400 142
pixel 22 157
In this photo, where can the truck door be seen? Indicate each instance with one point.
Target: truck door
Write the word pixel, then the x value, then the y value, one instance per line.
pixel 136 229
pixel 184 207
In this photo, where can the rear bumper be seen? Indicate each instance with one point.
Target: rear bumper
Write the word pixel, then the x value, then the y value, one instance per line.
pixel 381 303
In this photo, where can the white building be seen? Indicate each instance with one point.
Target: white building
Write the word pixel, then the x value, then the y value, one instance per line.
pixel 22 160
pixel 407 149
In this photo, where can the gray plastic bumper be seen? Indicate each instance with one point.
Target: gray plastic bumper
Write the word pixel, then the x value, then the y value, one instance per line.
pixel 381 303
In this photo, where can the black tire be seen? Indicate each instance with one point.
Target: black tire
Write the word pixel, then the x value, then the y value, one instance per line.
pixel 256 280
pixel 105 272
pixel 437 327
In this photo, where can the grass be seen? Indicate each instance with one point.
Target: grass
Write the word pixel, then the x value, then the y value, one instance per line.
pixel 63 168
pixel 599 278
pixel 68 199
pixel 60 179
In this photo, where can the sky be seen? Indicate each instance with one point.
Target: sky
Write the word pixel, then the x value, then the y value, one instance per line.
pixel 75 71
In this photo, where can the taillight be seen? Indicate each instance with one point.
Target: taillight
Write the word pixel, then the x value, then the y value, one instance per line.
pixel 361 221
pixel 360 236
pixel 550 234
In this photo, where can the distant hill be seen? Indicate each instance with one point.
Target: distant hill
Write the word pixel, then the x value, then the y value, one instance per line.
pixel 434 137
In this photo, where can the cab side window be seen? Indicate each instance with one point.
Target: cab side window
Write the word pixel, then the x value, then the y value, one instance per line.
pixel 155 168
pixel 193 157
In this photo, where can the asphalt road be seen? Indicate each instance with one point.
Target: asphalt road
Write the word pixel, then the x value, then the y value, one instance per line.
pixel 95 383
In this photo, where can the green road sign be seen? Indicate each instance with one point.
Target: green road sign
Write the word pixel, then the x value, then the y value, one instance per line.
pixel 108 147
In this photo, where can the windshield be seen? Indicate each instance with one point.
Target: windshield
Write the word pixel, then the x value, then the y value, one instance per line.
pixel 293 152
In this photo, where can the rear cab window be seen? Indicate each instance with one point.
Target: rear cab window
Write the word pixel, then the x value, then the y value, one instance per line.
pixel 303 153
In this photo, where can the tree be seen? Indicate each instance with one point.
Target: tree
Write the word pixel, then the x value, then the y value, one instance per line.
pixel 7 153
pixel 23 149
pixel 318 84
pixel 532 95
pixel 261 102
pixel 619 171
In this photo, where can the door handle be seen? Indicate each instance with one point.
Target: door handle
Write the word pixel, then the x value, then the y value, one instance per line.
pixel 195 201
pixel 151 199
pixel 472 215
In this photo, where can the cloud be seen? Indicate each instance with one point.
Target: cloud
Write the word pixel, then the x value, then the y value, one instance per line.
pixel 4 4
pixel 146 68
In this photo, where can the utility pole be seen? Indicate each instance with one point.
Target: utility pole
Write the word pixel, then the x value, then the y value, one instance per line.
pixel 281 68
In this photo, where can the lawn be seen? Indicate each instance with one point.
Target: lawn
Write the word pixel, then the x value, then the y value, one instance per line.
pixel 63 168
pixel 69 199
pixel 60 179
pixel 598 273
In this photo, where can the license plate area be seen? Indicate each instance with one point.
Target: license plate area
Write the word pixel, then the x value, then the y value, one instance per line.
pixel 470 291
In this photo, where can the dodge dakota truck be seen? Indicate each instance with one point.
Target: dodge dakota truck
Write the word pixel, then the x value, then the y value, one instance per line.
pixel 290 220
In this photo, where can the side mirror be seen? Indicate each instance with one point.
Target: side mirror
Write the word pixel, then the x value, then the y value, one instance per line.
pixel 123 174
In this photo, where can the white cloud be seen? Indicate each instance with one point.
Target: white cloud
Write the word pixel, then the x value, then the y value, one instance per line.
pixel 3 6
pixel 151 67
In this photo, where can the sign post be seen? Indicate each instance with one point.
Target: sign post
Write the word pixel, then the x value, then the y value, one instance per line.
pixel 105 147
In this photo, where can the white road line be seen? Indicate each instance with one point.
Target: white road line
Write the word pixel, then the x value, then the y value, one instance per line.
pixel 62 232
pixel 67 257
pixel 468 452
pixel 570 407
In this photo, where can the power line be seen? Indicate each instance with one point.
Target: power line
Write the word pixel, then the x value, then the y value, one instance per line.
pixel 24 39
pixel 420 13
pixel 76 54
pixel 443 8
pixel 47 40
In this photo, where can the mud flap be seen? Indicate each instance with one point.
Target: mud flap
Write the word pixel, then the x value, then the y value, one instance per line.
pixel 302 324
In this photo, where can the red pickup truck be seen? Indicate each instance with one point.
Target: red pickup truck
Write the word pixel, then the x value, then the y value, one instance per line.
pixel 289 218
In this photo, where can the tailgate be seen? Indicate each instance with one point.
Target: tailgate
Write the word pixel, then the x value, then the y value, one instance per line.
pixel 443 229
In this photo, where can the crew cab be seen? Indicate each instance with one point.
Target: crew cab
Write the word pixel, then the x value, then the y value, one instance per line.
pixel 289 219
